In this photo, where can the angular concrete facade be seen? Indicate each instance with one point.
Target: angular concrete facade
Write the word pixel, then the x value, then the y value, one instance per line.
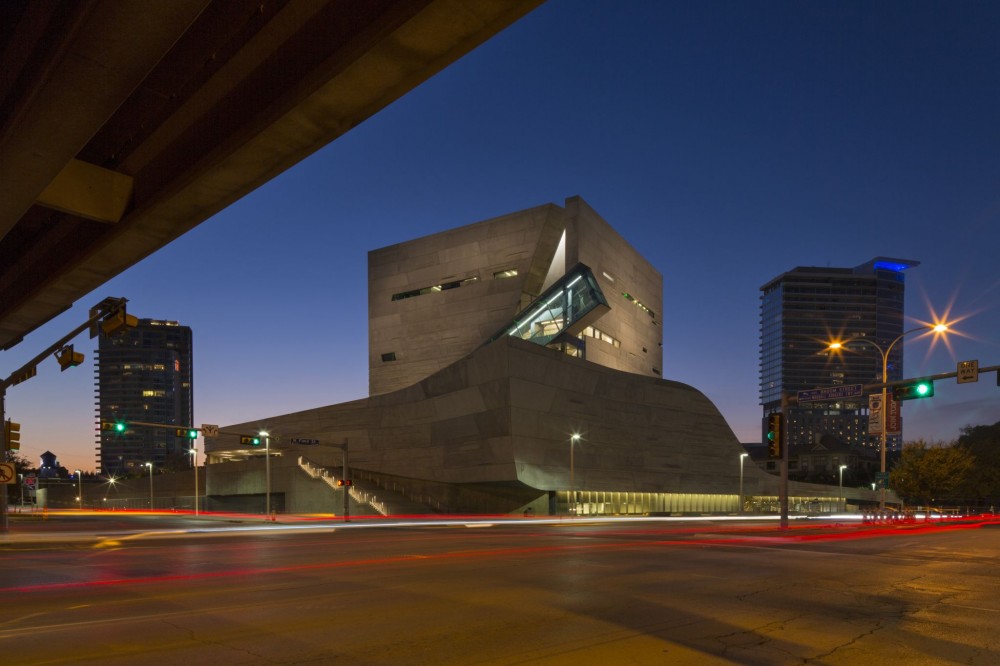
pixel 458 424
pixel 435 299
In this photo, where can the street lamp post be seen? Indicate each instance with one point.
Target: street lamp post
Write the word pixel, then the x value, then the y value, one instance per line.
pixel 150 466
pixel 267 473
pixel 79 487
pixel 742 458
pixel 842 498
pixel 937 328
pixel 572 487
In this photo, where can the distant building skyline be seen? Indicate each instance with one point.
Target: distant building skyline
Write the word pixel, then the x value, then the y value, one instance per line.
pixel 144 374
pixel 805 309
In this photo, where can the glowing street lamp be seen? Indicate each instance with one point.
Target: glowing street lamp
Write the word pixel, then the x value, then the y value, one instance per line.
pixel 937 329
pixel 267 472
pixel 79 485
pixel 742 458
pixel 150 466
pixel 843 499
pixel 572 487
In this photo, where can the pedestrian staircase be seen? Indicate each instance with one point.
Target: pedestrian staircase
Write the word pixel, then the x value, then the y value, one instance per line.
pixel 358 494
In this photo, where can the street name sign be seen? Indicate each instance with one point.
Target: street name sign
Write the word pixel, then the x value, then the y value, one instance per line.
pixel 299 440
pixel 831 393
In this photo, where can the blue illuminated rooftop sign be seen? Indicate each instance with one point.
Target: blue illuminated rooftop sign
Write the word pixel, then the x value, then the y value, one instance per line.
pixel 889 264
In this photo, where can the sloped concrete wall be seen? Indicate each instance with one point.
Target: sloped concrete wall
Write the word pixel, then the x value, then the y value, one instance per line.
pixel 505 415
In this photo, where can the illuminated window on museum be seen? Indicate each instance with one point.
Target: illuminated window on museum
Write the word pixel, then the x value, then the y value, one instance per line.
pixel 444 286
pixel 598 334
pixel 639 304
pixel 508 273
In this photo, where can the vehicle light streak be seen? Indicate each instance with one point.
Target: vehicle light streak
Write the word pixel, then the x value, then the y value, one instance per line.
pixel 736 539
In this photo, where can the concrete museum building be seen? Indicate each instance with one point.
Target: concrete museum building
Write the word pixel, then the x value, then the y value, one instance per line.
pixel 514 367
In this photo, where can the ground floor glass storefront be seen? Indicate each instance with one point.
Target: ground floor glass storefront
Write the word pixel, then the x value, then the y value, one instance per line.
pixel 614 503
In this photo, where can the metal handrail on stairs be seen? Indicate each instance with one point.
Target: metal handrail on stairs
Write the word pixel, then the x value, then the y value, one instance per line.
pixel 331 479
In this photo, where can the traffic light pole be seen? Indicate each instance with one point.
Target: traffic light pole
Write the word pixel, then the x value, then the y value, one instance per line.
pixel 3 504
pixel 187 429
pixel 783 487
pixel 26 371
pixel 885 387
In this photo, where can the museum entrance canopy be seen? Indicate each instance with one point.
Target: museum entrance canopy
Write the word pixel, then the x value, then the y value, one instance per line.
pixel 561 312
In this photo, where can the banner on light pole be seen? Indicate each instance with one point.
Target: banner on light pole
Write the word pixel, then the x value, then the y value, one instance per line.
pixel 875 414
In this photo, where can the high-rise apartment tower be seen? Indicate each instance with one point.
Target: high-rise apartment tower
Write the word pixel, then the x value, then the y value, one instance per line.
pixel 144 374
pixel 801 312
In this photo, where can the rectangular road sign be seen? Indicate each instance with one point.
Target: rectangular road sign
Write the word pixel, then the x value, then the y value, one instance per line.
pixel 831 393
pixel 209 430
pixel 298 440
pixel 968 372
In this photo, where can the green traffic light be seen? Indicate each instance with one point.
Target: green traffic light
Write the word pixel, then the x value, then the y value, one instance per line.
pixel 919 389
pixel 119 427
pixel 770 436
pixel 192 434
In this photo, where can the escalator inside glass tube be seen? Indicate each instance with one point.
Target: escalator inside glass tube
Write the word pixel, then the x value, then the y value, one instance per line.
pixel 556 317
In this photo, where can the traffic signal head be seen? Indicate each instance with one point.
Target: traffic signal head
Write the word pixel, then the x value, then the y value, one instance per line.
pixel 921 389
pixel 345 482
pixel 191 433
pixel 775 434
pixel 118 321
pixel 249 440
pixel 68 358
pixel 113 425
pixel 12 435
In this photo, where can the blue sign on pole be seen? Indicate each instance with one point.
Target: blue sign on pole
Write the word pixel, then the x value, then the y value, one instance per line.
pixel 831 393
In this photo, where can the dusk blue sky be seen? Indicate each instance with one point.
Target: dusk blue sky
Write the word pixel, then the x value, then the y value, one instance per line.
pixel 728 142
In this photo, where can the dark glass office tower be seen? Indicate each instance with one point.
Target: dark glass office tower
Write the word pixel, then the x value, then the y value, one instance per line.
pixel 144 374
pixel 801 312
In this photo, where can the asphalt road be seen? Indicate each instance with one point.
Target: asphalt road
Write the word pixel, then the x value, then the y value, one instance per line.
pixel 630 592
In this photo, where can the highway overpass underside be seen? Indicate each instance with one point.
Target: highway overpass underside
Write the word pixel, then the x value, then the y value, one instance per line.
pixel 125 124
